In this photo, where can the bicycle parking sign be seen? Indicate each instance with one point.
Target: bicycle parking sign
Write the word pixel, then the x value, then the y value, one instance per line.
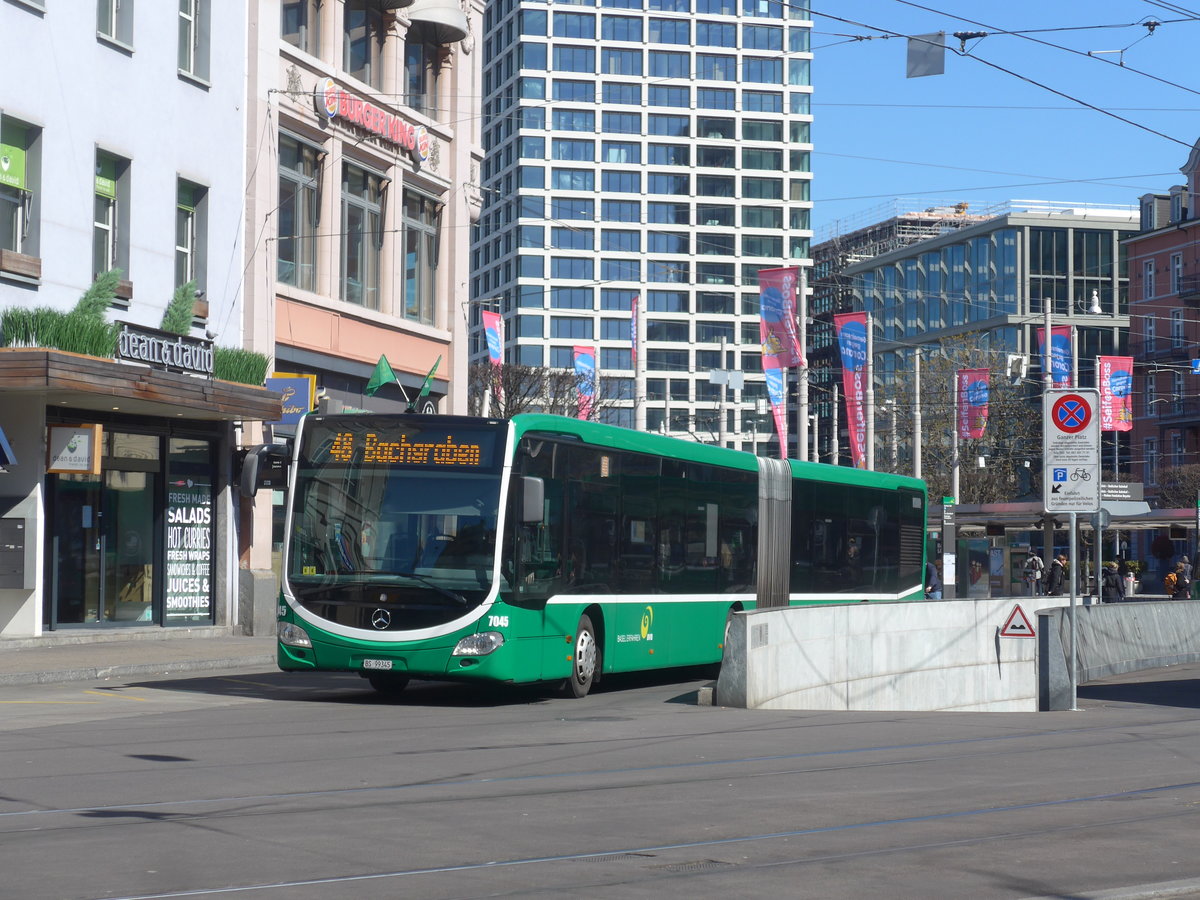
pixel 1071 450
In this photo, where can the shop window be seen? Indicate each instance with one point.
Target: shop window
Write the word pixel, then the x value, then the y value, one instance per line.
pixel 194 36
pixel 362 42
pixel 422 226
pixel 299 212
pixel 20 171
pixel 110 222
pixel 362 238
pixel 421 70
pixel 114 21
pixel 191 226
pixel 300 22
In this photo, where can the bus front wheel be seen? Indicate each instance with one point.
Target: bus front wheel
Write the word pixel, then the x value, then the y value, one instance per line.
pixel 585 665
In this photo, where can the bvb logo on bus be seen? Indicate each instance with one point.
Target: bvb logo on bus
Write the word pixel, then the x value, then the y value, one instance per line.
pixel 647 621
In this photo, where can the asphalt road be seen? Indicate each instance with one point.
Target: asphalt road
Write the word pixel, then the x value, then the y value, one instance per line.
pixel 266 785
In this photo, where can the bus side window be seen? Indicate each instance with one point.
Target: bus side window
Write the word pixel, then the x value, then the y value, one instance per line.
pixel 539 544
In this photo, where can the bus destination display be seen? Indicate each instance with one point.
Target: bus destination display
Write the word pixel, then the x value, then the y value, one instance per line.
pixel 370 445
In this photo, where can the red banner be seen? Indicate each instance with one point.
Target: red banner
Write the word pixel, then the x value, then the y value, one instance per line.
pixel 1060 353
pixel 493 330
pixel 1115 374
pixel 585 375
pixel 777 316
pixel 851 331
pixel 972 394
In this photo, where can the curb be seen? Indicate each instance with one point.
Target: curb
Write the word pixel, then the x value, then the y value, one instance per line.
pixel 101 673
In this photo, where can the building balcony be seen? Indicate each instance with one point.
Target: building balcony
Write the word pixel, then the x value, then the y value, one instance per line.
pixel 1164 348
pixel 1189 287
pixel 1172 410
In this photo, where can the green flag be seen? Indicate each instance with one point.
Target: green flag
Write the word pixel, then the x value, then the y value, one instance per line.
pixel 382 375
pixel 427 385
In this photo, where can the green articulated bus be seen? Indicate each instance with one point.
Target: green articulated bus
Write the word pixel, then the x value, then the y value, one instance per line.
pixel 547 549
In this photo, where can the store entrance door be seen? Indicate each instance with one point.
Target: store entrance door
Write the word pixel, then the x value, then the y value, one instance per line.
pixel 102 548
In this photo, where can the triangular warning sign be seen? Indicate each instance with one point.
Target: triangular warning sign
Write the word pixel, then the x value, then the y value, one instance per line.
pixel 1017 624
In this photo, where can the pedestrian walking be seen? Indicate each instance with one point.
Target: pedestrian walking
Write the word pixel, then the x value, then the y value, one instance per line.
pixel 1176 584
pixel 933 582
pixel 1057 577
pixel 1035 571
pixel 1112 585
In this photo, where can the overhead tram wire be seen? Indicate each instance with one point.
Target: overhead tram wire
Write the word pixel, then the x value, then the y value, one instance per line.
pixel 1026 36
pixel 1007 71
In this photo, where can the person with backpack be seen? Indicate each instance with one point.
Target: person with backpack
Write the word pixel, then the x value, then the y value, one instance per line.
pixel 1176 583
pixel 1035 571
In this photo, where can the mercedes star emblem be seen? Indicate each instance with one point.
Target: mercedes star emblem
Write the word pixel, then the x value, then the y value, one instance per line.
pixel 381 619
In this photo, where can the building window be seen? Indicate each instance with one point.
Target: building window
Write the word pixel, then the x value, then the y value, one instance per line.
pixel 191 214
pixel 670 31
pixel 18 187
pixel 110 224
pixel 362 41
pixel 1177 450
pixel 569 327
pixel 621 210
pixel 1148 280
pixel 621 28
pixel 576 25
pixel 422 234
pixel 194 38
pixel 1177 389
pixel 574 91
pixel 422 57
pixel 1149 473
pixel 300 24
pixel 362 240
pixel 1177 329
pixel 716 67
pixel 619 62
pixel 1149 329
pixel 618 92
pixel 114 20
pixel 621 182
pixel 574 59
pixel 1176 272
pixel 299 213
pixel 716 34
pixel 1150 394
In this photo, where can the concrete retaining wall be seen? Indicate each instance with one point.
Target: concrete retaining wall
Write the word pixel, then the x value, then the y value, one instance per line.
pixel 1114 638
pixel 933 655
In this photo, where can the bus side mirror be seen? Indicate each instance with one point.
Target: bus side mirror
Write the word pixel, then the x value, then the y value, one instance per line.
pixel 264 466
pixel 533 499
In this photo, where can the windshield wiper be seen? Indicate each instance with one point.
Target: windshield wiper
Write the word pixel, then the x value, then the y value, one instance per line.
pixel 430 583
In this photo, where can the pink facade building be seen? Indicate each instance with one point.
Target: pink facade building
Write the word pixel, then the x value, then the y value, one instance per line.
pixel 1164 328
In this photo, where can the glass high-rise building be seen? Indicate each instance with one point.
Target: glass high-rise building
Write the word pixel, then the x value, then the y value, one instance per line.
pixel 643 147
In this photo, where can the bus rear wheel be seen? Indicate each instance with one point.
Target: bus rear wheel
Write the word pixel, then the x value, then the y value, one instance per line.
pixel 585 665
pixel 388 685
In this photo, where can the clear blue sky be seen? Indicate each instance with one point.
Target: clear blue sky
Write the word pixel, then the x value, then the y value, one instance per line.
pixel 981 135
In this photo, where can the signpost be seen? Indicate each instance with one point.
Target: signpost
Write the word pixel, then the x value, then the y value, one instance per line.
pixel 1071 474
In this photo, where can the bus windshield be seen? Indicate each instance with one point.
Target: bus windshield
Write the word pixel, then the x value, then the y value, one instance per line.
pixel 396 500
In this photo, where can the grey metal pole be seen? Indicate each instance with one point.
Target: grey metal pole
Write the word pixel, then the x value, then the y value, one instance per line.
pixel 639 373
pixel 835 450
pixel 917 414
pixel 721 403
pixel 1074 598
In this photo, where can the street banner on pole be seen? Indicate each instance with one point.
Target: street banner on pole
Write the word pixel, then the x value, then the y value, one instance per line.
pixel 852 343
pixel 1116 392
pixel 1060 353
pixel 585 377
pixel 777 316
pixel 972 402
pixel 493 330
pixel 775 393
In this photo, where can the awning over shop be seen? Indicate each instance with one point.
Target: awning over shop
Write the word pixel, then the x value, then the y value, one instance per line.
pixel 88 382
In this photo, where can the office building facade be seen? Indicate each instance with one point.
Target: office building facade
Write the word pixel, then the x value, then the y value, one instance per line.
pixel 644 148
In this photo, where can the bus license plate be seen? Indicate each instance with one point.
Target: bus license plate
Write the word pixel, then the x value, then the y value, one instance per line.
pixel 377 663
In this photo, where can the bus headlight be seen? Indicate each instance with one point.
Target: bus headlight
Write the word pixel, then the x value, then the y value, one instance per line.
pixel 479 644
pixel 293 635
